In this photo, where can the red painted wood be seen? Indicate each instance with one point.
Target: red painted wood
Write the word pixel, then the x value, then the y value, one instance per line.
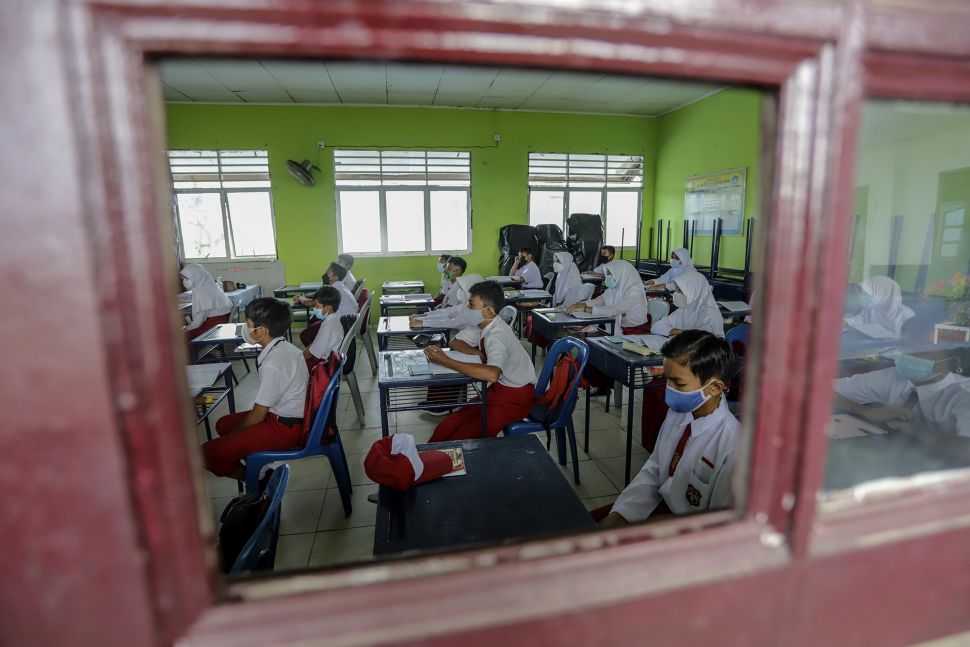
pixel 110 549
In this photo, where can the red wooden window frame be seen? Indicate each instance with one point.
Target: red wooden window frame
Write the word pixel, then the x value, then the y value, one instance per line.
pixel 129 565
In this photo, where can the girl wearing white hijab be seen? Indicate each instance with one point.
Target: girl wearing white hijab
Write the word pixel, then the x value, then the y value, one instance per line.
pixel 210 305
pixel 624 296
pixel 680 263
pixel 696 308
pixel 569 284
pixel 457 316
pixel 886 308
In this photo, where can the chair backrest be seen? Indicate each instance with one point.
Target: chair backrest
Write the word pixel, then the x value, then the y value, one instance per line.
pixel 363 313
pixel 554 413
pixel 322 394
pixel 737 337
pixel 348 349
pixel 657 309
pixel 358 286
pixel 259 553
pixel 586 292
pixel 234 313
pixel 550 277
pixel 361 296
pixel 507 314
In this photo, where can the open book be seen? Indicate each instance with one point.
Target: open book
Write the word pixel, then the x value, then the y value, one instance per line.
pixel 438 369
pixel 735 306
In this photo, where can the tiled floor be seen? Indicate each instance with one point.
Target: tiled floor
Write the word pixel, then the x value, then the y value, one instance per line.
pixel 314 531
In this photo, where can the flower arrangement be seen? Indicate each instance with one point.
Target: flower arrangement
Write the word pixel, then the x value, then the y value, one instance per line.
pixel 955 292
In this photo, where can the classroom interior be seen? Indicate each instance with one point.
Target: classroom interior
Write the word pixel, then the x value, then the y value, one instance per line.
pixel 268 231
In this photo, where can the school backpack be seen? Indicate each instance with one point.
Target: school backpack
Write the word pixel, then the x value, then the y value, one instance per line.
pixel 320 375
pixel 238 522
pixel 565 374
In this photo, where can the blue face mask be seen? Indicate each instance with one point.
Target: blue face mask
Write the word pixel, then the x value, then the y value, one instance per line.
pixel 441 267
pixel 318 313
pixel 674 263
pixel 685 401
pixel 609 282
pixel 915 369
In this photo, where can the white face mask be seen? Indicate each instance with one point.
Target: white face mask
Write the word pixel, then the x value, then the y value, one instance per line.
pixel 472 317
pixel 187 283
pixel 247 335
pixel 610 282
pixel 557 267
pixel 679 299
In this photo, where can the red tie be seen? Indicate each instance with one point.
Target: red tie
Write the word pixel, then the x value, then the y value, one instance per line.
pixel 684 437
pixel 481 346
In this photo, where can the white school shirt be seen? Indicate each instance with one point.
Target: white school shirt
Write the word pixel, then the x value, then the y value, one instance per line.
pixel 945 404
pixel 348 304
pixel 688 318
pixel 502 349
pixel 533 277
pixel 471 335
pixel 283 378
pixel 451 296
pixel 328 339
pixel 696 486
pixel 450 317
pixel 628 299
pixel 350 281
pixel 445 284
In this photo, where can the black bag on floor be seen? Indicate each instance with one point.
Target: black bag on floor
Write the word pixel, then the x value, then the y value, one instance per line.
pixel 512 238
pixel 238 522
pixel 550 241
pixel 585 239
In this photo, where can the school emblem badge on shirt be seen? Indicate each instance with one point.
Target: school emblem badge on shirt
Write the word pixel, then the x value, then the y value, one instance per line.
pixel 693 495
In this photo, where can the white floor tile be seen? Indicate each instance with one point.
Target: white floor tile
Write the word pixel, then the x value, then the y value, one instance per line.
pixel 301 511
pixel 593 483
pixel 615 468
pixel 293 551
pixel 598 502
pixel 364 512
pixel 342 546
pixel 309 474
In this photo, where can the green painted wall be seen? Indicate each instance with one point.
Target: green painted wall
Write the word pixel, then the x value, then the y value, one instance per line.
pixel 718 133
pixel 306 217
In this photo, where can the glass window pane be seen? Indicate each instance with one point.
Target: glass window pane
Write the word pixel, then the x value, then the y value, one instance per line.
pixel 902 403
pixel 545 208
pixel 405 221
pixel 449 220
pixel 200 218
pixel 251 216
pixel 585 202
pixel 360 221
pixel 621 218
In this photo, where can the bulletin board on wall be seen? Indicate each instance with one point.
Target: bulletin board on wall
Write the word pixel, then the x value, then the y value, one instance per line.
pixel 716 195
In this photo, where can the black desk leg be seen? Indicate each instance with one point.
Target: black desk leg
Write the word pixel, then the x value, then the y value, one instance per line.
pixel 232 391
pixel 385 399
pixel 629 422
pixel 484 409
pixel 208 430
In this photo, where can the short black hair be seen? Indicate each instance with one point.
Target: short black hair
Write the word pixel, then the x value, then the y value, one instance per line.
pixel 327 296
pixel 458 262
pixel 348 259
pixel 490 293
pixel 270 312
pixel 444 257
pixel 705 354
pixel 527 250
pixel 339 270
pixel 610 249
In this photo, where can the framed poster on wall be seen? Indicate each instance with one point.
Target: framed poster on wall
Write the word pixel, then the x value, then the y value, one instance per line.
pixel 716 195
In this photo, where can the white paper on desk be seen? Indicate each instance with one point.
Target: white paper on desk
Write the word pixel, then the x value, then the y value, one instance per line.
pixel 874 330
pixel 585 315
pixel 311 285
pixel 202 376
pixel 653 342
pixel 846 426
pixel 438 369
pixel 734 306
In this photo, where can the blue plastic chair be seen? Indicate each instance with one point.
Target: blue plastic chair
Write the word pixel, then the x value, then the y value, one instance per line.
pixel 563 425
pixel 333 449
pixel 259 553
pixel 737 338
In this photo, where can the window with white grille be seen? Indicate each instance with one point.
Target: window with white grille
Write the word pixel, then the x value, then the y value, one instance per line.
pixel 608 185
pixel 403 201
pixel 224 204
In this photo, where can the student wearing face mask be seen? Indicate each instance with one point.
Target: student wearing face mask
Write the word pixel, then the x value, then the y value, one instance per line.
pixel 445 282
pixel 525 271
pixel 691 466
pixel 276 420
pixel 624 296
pixel 455 316
pixel 210 305
pixel 607 254
pixel 696 308
pixel 330 334
pixel 333 277
pixel 505 366
pixel 456 269
pixel 680 263
pixel 877 300
pixel 346 261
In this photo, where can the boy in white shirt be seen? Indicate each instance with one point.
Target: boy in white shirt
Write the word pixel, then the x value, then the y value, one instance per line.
pixel 276 420
pixel 333 277
pixel 346 261
pixel 690 468
pixel 330 334
pixel 505 366
pixel 606 257
pixel 456 269
pixel 525 271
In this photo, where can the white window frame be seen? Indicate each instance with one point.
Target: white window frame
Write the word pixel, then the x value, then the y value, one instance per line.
pixel 224 193
pixel 571 182
pixel 382 188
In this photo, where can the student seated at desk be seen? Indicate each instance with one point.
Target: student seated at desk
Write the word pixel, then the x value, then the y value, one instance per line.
pixel 690 468
pixel 456 269
pixel 333 277
pixel 445 282
pixel 276 420
pixel 696 308
pixel 877 300
pixel 607 254
pixel 569 283
pixel 680 263
pixel 210 305
pixel 624 296
pixel 346 261
pixel 505 366
pixel 525 271
pixel 330 333
pixel 456 316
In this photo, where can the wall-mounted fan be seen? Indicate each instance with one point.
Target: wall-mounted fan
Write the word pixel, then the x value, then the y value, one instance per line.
pixel 302 172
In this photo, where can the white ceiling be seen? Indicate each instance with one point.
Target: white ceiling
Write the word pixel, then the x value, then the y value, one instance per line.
pixel 413 84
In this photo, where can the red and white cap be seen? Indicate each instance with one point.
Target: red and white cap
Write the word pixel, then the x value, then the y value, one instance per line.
pixel 396 462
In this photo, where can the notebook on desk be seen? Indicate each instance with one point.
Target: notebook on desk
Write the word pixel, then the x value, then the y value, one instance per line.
pixel 875 331
pixel 734 306
pixel 585 315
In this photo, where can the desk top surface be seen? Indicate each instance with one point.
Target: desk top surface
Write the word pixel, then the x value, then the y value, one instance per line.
pixel 401 325
pixel 221 333
pixel 513 490
pixel 628 357
pixel 393 371
pixel 406 298
pixel 527 295
pixel 556 317
pixel 403 284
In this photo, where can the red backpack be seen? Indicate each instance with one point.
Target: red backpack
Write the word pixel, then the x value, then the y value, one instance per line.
pixel 320 375
pixel 565 374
